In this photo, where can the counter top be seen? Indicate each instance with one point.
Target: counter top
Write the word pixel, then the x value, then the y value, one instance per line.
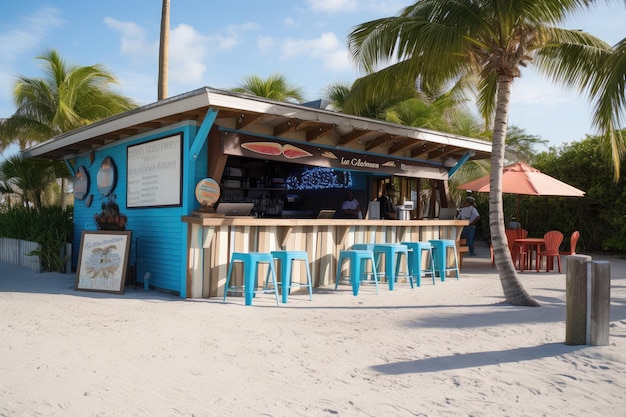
pixel 254 221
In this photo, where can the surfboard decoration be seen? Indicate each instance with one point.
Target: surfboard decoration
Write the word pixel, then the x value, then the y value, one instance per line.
pixel 264 148
pixel 293 152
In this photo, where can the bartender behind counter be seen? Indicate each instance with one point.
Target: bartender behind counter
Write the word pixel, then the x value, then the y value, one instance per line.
pixel 386 203
pixel 350 207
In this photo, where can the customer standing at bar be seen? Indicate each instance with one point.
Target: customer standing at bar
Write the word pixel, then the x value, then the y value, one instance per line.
pixel 469 213
pixel 386 202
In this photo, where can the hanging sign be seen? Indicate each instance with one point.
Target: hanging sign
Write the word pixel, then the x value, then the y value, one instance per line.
pixel 239 144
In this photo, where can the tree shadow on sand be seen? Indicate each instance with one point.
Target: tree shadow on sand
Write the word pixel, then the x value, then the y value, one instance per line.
pixel 475 359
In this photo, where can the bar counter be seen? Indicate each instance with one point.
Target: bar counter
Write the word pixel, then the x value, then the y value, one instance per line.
pixel 211 240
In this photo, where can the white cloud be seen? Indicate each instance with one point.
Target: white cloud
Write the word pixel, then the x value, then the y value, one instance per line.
pixel 533 90
pixel 332 6
pixel 188 48
pixel 28 37
pixel 327 49
pixel 338 61
pixel 289 21
pixel 388 7
pixel 29 33
pixel 133 42
pixel 265 43
pixel 142 87
pixel 187 52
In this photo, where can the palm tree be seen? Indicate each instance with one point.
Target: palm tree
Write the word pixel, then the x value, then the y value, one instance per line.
pixel 609 93
pixel 274 87
pixel 164 48
pixel 67 98
pixel 375 107
pixel 30 178
pixel 336 94
pixel 445 40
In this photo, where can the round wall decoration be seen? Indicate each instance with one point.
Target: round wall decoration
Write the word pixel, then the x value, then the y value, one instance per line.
pixel 107 176
pixel 207 191
pixel 81 183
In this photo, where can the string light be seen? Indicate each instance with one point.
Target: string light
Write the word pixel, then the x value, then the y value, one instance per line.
pixel 319 178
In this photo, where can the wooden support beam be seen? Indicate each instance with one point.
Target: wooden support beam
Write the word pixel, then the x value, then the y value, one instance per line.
pixel 247 119
pixel 380 140
pixel 285 127
pixel 217 159
pixel 318 131
pixel 352 136
pixel 402 145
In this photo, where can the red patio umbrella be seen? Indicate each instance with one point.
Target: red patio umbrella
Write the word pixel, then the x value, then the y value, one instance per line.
pixel 522 179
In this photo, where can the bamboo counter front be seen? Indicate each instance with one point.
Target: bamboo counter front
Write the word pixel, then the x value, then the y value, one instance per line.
pixel 212 240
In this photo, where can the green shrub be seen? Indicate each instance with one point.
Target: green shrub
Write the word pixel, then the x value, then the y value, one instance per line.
pixel 51 227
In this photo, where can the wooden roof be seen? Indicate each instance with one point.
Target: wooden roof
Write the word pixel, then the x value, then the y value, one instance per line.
pixel 263 116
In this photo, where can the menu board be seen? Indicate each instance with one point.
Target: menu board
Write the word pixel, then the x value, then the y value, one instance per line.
pixel 155 173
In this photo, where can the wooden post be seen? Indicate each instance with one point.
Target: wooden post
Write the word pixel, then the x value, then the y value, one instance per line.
pixel 600 296
pixel 576 300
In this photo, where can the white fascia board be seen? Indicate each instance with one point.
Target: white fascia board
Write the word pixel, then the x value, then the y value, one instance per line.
pixel 125 120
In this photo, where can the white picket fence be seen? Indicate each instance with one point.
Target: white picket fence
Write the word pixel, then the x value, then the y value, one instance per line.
pixel 16 252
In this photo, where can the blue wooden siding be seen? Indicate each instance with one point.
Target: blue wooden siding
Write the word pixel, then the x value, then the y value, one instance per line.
pixel 158 233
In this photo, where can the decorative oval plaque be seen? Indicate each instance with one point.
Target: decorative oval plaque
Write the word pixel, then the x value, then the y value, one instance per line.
pixel 207 191
pixel 81 183
pixel 107 176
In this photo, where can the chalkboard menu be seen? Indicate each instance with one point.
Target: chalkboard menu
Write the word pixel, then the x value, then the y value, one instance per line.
pixel 155 173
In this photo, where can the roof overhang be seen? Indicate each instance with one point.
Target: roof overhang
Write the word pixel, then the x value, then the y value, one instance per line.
pixel 289 121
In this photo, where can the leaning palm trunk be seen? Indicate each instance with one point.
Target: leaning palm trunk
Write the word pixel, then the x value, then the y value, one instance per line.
pixel 513 290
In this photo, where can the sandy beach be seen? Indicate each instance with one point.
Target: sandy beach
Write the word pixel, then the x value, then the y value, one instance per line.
pixel 450 349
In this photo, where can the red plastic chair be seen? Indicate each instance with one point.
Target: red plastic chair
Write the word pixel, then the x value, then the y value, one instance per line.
pixel 553 240
pixel 518 253
pixel 573 240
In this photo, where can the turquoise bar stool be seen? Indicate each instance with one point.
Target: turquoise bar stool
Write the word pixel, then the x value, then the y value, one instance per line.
pixel 441 247
pixel 416 261
pixel 286 259
pixel 394 253
pixel 251 261
pixel 358 260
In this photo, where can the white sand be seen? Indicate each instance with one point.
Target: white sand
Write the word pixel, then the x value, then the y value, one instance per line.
pixel 452 349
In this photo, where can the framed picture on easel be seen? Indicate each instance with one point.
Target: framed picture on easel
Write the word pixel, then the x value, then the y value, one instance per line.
pixel 103 260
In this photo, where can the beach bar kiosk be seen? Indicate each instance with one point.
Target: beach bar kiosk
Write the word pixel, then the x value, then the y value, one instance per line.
pixel 288 162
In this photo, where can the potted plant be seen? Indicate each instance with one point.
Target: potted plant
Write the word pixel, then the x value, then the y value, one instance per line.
pixel 110 217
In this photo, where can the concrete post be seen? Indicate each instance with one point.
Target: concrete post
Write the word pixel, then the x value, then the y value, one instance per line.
pixel 600 301
pixel 576 300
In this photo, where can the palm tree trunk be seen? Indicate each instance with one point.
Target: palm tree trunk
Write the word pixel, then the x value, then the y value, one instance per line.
pixel 514 293
pixel 63 197
pixel 164 50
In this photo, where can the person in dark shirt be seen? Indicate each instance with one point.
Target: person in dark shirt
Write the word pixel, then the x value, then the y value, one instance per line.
pixel 386 202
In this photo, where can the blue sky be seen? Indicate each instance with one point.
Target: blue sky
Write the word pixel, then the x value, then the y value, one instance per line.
pixel 217 44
